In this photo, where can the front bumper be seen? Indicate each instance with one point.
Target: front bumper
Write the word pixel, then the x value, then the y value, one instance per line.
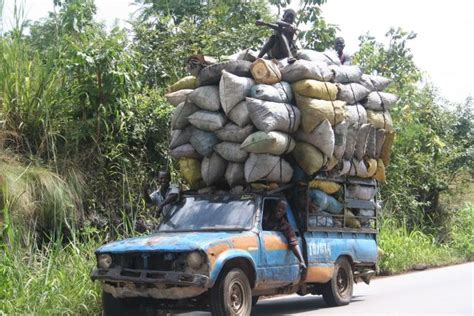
pixel 151 277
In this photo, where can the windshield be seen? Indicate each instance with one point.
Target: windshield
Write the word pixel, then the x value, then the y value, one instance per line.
pixel 210 213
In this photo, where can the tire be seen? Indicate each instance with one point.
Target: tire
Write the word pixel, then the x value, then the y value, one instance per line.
pixel 338 291
pixel 231 295
pixel 255 300
pixel 112 306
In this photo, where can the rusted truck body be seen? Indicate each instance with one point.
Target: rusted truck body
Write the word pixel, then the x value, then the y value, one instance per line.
pixel 211 253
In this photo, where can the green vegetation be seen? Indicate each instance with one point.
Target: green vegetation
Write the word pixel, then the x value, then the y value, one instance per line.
pixel 52 280
pixel 405 249
pixel 83 126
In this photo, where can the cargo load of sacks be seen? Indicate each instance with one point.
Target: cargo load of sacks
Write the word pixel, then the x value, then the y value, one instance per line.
pixel 326 210
pixel 238 123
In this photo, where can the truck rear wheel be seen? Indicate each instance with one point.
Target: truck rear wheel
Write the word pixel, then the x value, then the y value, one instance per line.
pixel 338 291
pixel 231 295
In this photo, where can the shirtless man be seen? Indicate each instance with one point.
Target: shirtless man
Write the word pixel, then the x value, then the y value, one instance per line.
pixel 281 42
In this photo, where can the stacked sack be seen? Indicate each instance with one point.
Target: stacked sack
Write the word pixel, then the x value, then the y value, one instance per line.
pixel 240 123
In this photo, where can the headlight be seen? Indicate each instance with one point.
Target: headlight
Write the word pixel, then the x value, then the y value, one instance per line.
pixel 194 260
pixel 104 261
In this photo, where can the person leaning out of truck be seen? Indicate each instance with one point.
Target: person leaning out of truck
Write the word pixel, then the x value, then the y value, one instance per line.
pixel 276 221
pixel 164 195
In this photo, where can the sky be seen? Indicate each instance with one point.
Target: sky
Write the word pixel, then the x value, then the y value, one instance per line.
pixel 443 49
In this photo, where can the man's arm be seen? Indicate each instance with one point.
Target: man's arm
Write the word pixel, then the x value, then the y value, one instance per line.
pixel 293 242
pixel 171 197
pixel 146 196
pixel 276 27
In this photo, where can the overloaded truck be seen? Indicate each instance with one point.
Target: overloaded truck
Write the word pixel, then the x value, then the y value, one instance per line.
pixel 211 253
pixel 246 133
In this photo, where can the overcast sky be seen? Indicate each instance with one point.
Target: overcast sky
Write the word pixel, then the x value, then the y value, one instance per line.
pixel 444 47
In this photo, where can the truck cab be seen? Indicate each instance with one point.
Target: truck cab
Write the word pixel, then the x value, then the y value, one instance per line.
pixel 211 253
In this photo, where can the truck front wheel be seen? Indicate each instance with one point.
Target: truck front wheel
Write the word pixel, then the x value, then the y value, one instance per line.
pixel 231 295
pixel 338 291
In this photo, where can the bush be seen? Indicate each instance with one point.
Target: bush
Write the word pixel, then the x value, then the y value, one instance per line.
pixel 36 200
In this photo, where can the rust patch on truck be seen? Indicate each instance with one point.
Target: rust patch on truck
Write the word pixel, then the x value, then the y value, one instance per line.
pixel 214 252
pixel 244 243
pixel 275 243
pixel 319 274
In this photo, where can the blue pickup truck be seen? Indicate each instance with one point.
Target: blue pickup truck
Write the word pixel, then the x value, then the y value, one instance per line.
pixel 211 253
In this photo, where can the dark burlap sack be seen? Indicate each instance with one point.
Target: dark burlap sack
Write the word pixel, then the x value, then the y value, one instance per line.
pixel 374 83
pixel 231 152
pixel 213 169
pixel 380 101
pixel 234 174
pixel 303 69
pixel 233 133
pixel 322 137
pixel 267 167
pixel 185 151
pixel 352 93
pixel 272 116
pixel 180 137
pixel 179 120
pixel 346 73
pixel 233 89
pixel 203 142
pixel 240 114
pixel 340 134
pixel 278 92
pixel 206 98
pixel 211 75
pixel 361 142
pixel 207 120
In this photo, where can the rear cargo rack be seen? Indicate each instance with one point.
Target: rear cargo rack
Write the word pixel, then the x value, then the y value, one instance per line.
pixel 314 220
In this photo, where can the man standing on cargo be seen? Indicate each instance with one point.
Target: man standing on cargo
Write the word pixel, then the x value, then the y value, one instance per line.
pixel 165 194
pixel 339 47
pixel 276 221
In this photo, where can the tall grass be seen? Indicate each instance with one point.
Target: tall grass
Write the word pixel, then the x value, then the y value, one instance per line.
pixel 37 200
pixel 52 280
pixel 33 105
pixel 404 249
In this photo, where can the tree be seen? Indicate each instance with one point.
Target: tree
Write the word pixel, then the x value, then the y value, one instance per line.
pixel 168 32
pixel 430 138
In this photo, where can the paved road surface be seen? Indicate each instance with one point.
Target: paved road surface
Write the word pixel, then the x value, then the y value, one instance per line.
pixel 439 291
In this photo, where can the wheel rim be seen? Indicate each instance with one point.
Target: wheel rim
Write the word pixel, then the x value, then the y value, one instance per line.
pixel 236 297
pixel 342 282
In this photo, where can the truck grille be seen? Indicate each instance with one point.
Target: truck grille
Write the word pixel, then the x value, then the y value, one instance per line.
pixel 149 261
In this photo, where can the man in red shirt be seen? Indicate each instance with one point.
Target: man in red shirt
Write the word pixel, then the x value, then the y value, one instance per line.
pixel 276 221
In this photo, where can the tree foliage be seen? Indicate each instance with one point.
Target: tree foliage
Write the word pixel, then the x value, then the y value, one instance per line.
pixel 432 139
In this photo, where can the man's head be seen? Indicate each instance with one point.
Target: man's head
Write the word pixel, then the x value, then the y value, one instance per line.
pixel 164 178
pixel 280 209
pixel 289 16
pixel 339 44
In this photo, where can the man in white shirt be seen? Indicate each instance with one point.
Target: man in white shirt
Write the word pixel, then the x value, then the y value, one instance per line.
pixel 166 193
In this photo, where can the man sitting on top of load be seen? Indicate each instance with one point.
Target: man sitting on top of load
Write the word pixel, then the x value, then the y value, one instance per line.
pixel 339 47
pixel 276 221
pixel 281 42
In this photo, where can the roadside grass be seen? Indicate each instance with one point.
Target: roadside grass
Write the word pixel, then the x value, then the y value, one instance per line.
pixel 53 280
pixel 404 250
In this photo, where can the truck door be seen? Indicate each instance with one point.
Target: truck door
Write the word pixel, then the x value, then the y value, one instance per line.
pixel 281 265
